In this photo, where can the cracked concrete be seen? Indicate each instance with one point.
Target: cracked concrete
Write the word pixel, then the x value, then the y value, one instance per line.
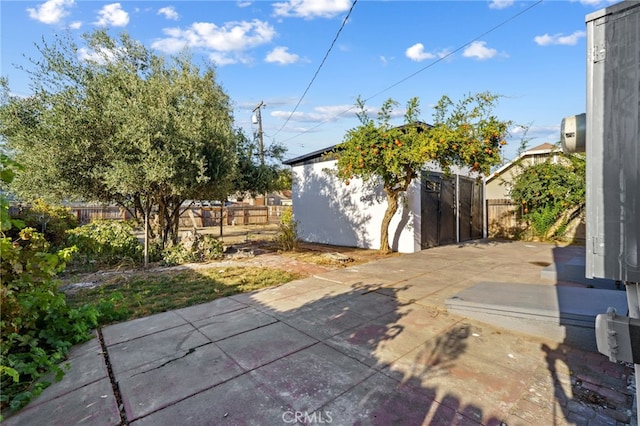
pixel 370 344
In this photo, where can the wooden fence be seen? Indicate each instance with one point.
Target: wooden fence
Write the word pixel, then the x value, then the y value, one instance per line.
pixel 502 218
pixel 87 214
pixel 202 217
pixel 196 216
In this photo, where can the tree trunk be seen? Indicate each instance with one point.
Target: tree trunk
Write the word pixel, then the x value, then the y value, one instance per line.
pixel 175 220
pixel 161 221
pixel 392 208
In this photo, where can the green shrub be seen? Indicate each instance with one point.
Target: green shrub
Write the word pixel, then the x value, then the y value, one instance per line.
pixel 287 238
pixel 543 219
pixel 37 326
pixel 177 254
pixel 106 242
pixel 52 221
pixel 547 192
pixel 198 248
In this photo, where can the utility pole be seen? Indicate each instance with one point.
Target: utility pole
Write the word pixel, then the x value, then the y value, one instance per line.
pixel 258 119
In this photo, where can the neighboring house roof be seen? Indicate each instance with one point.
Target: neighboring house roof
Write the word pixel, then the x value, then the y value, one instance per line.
pixel 312 157
pixel 545 148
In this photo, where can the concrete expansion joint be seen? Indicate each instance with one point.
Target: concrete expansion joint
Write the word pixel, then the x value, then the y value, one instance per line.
pixel 112 379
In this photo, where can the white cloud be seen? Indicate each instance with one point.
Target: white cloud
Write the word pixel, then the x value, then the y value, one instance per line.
pixel 500 4
pixel 417 53
pixel 50 12
pixel 222 59
pixel 479 50
pixel 75 25
pixel 559 39
pixel 310 9
pixel 535 135
pixel 320 114
pixel 112 15
pixel 595 3
pixel 170 45
pixel 331 113
pixel 280 55
pixel 231 37
pixel 101 57
pixel 242 4
pixel 169 12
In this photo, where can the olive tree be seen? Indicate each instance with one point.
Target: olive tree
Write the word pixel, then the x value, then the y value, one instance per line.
pixel 113 122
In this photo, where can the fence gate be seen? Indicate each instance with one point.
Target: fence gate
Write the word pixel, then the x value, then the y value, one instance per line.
pixel 470 199
pixel 450 216
pixel 438 211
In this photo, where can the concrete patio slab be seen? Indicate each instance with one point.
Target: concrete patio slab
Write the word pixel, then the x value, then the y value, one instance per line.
pixel 310 378
pixel 170 380
pixel 379 342
pixel 324 323
pixel 353 275
pixel 233 323
pixel 380 400
pixel 225 404
pixel 93 404
pixel 85 365
pixel 141 327
pixel 263 345
pixel 360 342
pixel 560 313
pixel 372 346
pixel 173 342
pixel 287 306
pixel 210 309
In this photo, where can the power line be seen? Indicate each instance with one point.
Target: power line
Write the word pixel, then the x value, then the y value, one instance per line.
pixel 344 21
pixel 501 24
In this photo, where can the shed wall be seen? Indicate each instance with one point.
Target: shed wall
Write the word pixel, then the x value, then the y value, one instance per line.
pixel 330 212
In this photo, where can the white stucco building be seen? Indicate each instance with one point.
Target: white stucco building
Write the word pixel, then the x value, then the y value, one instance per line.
pixel 434 211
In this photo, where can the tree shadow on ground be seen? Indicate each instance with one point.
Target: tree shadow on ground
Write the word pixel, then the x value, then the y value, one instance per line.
pixel 381 360
pixel 588 388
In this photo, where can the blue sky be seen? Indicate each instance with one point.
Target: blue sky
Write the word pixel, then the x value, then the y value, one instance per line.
pixel 533 54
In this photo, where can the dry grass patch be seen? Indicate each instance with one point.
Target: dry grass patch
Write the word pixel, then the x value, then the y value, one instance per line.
pixel 144 294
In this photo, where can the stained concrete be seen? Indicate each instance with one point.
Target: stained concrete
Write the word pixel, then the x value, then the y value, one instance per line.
pixel 370 344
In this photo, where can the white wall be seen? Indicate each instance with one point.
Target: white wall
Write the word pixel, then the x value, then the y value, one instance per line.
pixel 331 212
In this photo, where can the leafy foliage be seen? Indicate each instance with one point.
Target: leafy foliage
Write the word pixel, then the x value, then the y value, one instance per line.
pixel 105 242
pixel 465 134
pixel 287 238
pixel 253 176
pixel 198 248
pixel 53 221
pixel 547 190
pixel 8 169
pixel 37 328
pixel 126 126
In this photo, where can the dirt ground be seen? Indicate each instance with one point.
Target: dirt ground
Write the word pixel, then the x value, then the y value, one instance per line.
pixel 252 245
pixel 259 239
